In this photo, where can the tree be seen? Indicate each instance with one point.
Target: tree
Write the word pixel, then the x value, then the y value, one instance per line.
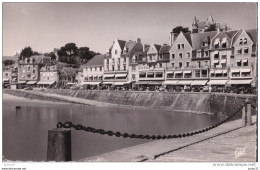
pixel 26 53
pixel 52 55
pixel 8 62
pixel 68 52
pixel 179 29
pixel 211 27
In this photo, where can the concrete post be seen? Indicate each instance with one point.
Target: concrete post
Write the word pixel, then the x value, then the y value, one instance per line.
pixel 243 116
pixel 249 115
pixel 59 145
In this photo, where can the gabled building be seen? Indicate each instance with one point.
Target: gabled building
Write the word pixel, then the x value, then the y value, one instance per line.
pixel 93 71
pixel 179 71
pixel 243 58
pixel 220 53
pixel 29 69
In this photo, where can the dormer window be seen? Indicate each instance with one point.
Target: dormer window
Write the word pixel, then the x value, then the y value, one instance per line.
pixel 246 50
pixel 224 43
pixel 216 43
pixel 245 40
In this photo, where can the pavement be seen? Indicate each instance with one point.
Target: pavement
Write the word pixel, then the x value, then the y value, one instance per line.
pixel 229 142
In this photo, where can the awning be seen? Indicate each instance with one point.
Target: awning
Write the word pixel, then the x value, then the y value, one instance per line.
pixel 184 82
pixel 142 82
pixel 171 72
pixel 238 60
pixel 21 82
pixel 119 83
pixel 94 75
pixel 235 71
pixel 178 72
pixel 217 82
pixel 199 82
pixel 249 81
pixel 90 83
pixel 187 72
pixel 14 75
pixel 108 82
pixel 31 82
pixel 170 82
pixel 215 61
pixel 245 70
pixel 218 72
pixel 223 61
pixel 244 60
pixel 121 75
pixel 90 75
pixel 5 79
pixel 70 83
pixel 108 75
pixel 212 72
pixel 224 71
pixel 155 83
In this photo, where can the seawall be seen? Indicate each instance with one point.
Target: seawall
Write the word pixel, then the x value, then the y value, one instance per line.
pixel 201 103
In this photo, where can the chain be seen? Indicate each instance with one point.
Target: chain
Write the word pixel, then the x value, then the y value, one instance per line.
pixel 68 125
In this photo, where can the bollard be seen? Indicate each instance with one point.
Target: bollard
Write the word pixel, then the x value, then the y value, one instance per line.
pixel 243 115
pixel 249 115
pixel 59 145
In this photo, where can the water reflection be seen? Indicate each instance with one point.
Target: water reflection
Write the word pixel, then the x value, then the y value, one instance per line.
pixel 25 130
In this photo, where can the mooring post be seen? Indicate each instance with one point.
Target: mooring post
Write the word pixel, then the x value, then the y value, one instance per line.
pixel 59 145
pixel 243 116
pixel 249 115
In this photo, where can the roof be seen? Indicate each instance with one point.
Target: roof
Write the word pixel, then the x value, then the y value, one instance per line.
pixel 201 24
pixel 188 37
pixel 142 53
pixel 233 34
pixel 157 47
pixel 198 38
pixel 121 44
pixel 253 35
pixel 68 71
pixel 164 49
pixel 130 45
pixel 97 60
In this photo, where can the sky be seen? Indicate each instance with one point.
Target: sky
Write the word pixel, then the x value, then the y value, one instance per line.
pixel 45 26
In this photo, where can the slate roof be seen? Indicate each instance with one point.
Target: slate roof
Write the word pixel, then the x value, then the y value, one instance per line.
pixel 198 38
pixel 188 38
pixel 164 49
pixel 130 45
pixel 97 60
pixel 157 47
pixel 68 71
pixel 253 35
pixel 121 44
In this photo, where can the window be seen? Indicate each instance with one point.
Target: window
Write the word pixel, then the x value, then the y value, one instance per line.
pixel 113 68
pixel 115 51
pixel 159 75
pixel 241 41
pixel 173 56
pixel 95 68
pixel 235 74
pixel 170 75
pixel 100 68
pixel 197 73
pixel 245 62
pixel 204 73
pixel 239 63
pixel 6 74
pixel 224 56
pixel 245 74
pixel 107 61
pixel 133 68
pixel 245 40
pixel 142 75
pixel 133 76
pixel 33 71
pixel 180 55
pixel 216 56
pixel 246 50
pixel 28 68
pixel 239 51
pixel 179 46
pixel 172 65
pixel 124 67
pixel 182 46
pixel 206 63
pixel 199 65
pixel 224 45
pixel 180 64
pixel 187 64
pixel 206 53
pixel 188 55
pixel 160 65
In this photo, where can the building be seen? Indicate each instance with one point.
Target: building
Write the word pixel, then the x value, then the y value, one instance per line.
pixel 67 76
pixel 49 76
pixel 243 59
pixel 29 69
pixel 93 71
pixel 79 77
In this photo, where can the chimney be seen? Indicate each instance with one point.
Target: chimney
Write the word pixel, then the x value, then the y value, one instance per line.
pixel 138 40
pixel 173 37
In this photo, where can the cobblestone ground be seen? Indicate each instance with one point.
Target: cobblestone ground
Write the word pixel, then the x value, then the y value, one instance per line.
pixel 221 144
